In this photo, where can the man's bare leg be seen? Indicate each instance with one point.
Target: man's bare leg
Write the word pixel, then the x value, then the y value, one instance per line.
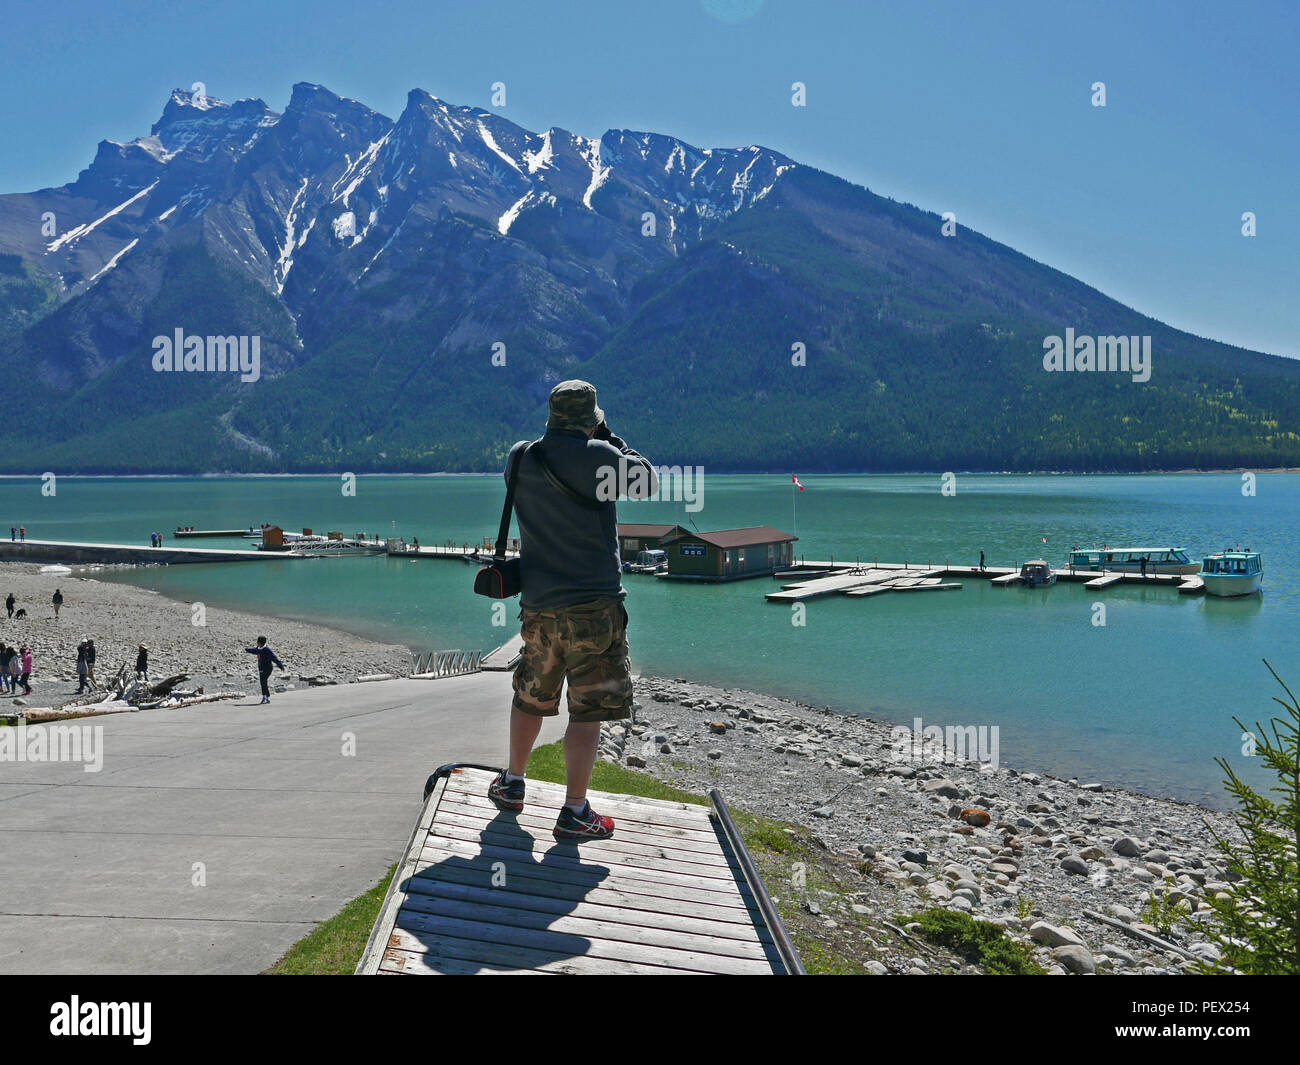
pixel 523 734
pixel 580 742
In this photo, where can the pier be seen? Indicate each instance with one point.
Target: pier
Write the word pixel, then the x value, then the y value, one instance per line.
pixel 477 891
pixel 127 554
pixel 856 580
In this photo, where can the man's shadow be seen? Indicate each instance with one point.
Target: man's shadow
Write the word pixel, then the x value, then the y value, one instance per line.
pixel 494 910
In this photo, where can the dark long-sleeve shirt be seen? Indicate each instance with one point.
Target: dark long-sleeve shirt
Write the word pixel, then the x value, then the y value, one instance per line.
pixel 265 656
pixel 569 553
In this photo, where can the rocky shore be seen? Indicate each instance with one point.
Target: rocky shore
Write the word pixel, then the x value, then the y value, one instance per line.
pixel 1067 867
pixel 119 617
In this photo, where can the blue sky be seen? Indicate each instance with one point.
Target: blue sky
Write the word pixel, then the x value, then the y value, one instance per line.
pixel 978 108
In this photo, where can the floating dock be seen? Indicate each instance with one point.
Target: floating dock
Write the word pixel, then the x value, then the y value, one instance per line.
pixel 481 891
pixel 126 554
pixel 857 580
pixel 189 534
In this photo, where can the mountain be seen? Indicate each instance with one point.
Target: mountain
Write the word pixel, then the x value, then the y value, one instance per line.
pixel 383 269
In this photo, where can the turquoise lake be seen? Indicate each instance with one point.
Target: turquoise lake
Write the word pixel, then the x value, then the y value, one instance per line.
pixel 1145 701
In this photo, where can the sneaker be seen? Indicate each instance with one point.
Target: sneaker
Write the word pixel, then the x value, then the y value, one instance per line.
pixel 266 698
pixel 505 795
pixel 586 825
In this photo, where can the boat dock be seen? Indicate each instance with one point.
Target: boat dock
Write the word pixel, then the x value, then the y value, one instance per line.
pixel 856 580
pixel 187 534
pixel 126 554
pixel 481 891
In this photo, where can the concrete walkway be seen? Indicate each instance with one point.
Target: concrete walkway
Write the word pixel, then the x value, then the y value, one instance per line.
pixel 98 871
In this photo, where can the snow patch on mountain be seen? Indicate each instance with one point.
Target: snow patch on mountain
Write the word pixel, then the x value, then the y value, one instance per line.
pixel 285 262
pixel 591 152
pixel 75 234
pixel 113 261
pixel 490 141
pixel 535 161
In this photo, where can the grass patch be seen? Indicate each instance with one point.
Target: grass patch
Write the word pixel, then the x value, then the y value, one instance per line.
pixel 547 763
pixel 979 942
pixel 334 947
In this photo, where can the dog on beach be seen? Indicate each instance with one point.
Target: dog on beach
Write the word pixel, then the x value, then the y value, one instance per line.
pixel 20 613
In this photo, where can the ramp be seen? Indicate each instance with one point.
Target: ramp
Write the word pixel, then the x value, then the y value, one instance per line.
pixel 480 891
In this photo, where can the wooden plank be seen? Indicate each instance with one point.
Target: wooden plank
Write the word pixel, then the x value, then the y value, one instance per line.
pixel 543 821
pixel 607 852
pixel 575 945
pixel 396 961
pixel 432 893
pixel 616 806
pixel 587 927
pixel 439 848
pixel 611 891
pixel 655 823
pixel 1104 582
pixel 513 828
pixel 425 958
pixel 1005 580
pixel 461 781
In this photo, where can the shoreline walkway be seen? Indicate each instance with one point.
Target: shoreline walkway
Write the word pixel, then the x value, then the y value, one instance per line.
pixel 216 836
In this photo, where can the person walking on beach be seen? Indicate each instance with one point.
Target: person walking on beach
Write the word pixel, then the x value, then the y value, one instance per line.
pixel 81 667
pixel 574 625
pixel 6 653
pixel 142 664
pixel 90 663
pixel 57 600
pixel 9 604
pixel 26 675
pixel 15 668
pixel 265 658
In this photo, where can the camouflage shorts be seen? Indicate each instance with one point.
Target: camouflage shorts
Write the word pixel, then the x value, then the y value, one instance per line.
pixel 586 644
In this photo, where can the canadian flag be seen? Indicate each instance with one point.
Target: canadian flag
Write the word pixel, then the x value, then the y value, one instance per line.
pixel 796 481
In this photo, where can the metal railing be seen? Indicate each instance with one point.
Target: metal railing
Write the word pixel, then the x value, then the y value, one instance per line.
pixel 445 663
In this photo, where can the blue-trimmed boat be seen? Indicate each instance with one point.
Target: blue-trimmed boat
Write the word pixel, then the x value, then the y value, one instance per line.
pixel 1233 573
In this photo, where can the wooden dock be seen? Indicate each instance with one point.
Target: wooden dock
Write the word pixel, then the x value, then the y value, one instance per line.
pixel 857 580
pixel 127 554
pixel 193 534
pixel 485 892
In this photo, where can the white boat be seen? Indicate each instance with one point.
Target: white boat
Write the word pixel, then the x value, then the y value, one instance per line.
pixel 1036 573
pixel 1233 573
pixel 1129 560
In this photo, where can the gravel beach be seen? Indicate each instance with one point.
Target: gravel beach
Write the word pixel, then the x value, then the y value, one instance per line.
pixel 1027 851
pixel 119 617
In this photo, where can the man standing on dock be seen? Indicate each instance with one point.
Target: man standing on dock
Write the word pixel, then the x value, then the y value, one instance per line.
pixel 265 658
pixel 574 626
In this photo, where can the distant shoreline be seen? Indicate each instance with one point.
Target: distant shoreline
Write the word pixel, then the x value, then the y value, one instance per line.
pixel 726 473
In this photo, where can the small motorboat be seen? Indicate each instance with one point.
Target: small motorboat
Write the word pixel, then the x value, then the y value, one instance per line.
pixel 1228 574
pixel 1037 574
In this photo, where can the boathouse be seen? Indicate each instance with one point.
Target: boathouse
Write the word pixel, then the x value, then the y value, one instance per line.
pixel 633 538
pixel 729 554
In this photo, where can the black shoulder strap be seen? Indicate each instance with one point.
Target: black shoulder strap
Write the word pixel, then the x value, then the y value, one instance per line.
pixel 556 482
pixel 511 477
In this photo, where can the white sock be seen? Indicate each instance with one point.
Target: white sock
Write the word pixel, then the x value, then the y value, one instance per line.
pixel 576 808
pixel 512 777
